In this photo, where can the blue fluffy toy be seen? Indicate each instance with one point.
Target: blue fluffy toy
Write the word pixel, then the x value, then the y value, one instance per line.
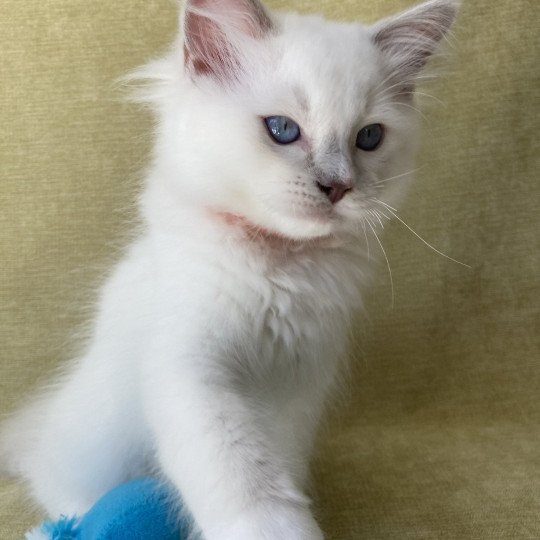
pixel 144 509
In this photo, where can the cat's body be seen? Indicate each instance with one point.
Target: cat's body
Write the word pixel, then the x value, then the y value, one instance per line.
pixel 278 364
pixel 220 336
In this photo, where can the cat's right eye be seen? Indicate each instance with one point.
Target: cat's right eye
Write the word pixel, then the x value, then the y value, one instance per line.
pixel 282 129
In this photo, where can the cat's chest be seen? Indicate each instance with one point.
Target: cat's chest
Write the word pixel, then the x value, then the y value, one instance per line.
pixel 291 317
pixel 294 309
pixel 242 305
pixel 296 338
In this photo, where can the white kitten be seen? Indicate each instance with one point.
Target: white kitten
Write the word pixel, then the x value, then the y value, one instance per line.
pixel 219 337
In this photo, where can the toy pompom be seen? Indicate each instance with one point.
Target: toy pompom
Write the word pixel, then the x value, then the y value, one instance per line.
pixel 63 529
pixel 143 509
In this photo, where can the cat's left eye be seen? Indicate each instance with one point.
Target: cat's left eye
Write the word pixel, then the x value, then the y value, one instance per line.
pixel 282 129
pixel 370 137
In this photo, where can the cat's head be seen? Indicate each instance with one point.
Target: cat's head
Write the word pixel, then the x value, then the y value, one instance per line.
pixel 292 124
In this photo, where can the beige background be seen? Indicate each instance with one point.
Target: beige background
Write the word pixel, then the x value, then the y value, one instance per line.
pixel 441 436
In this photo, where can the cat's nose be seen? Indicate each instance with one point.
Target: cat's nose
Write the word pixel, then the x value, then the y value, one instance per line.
pixel 335 189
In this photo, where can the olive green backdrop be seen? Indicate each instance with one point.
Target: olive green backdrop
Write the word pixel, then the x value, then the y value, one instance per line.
pixel 440 437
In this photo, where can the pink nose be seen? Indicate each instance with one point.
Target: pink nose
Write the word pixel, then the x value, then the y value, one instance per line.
pixel 335 190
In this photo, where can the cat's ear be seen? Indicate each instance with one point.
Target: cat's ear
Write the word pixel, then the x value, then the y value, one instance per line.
pixel 408 40
pixel 214 31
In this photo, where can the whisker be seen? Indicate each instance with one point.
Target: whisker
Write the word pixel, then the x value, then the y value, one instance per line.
pixel 387 91
pixel 374 199
pixel 424 94
pixel 383 215
pixel 377 216
pixel 386 259
pixel 393 212
pixel 399 103
pixel 397 177
pixel 420 77
pixel 365 234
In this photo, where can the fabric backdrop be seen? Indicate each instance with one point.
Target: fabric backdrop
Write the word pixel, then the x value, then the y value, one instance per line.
pixel 439 436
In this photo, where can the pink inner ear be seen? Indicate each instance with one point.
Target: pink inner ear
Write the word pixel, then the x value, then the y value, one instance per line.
pixel 206 48
pixel 209 26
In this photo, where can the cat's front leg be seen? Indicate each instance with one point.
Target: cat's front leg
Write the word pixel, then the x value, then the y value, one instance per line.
pixel 212 445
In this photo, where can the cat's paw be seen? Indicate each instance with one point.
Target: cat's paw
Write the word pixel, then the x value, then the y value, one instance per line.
pixel 272 523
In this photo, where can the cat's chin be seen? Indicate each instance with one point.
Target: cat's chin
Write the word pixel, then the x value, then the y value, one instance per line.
pixel 288 231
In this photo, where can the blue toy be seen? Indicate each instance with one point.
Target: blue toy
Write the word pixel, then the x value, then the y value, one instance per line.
pixel 144 509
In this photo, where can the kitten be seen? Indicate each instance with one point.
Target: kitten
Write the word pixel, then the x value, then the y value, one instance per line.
pixel 220 336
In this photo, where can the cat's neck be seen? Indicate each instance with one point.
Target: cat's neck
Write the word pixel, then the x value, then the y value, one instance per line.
pixel 328 272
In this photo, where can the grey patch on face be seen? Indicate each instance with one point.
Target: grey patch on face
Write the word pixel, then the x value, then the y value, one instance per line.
pixel 330 164
pixel 331 145
pixel 325 177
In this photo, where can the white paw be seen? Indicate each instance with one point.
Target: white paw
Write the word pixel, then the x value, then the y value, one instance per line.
pixel 271 523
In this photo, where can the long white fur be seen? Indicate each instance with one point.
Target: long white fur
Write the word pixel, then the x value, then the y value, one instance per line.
pixel 219 338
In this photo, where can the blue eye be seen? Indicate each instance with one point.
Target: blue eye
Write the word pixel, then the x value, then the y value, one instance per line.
pixel 370 137
pixel 282 129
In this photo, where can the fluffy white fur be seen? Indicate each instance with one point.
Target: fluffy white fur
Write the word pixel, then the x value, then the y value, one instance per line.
pixel 219 337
